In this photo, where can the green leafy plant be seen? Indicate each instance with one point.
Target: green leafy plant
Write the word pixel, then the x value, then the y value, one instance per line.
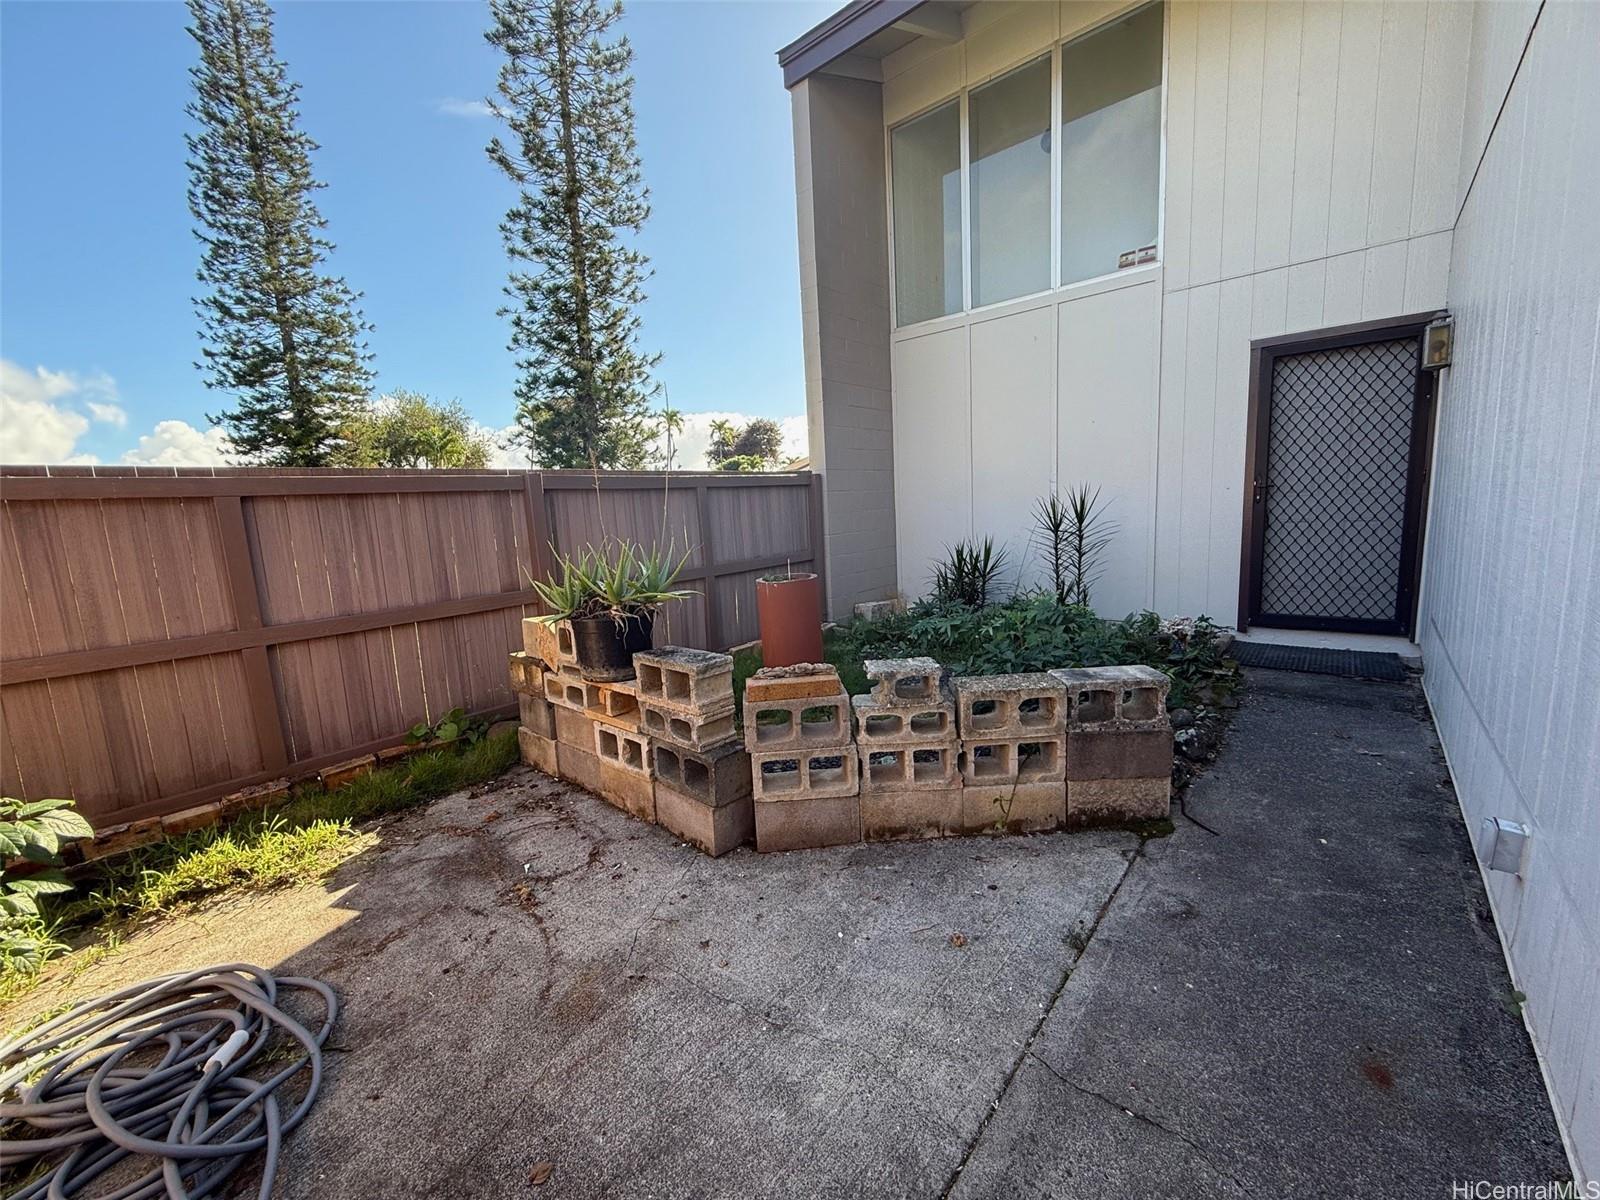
pixel 454 724
pixel 32 832
pixel 617 579
pixel 1071 534
pixel 969 573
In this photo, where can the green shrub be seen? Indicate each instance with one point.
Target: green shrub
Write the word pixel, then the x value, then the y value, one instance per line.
pixel 969 573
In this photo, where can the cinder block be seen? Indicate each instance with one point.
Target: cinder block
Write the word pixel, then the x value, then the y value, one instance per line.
pixel 578 766
pixel 804 774
pixel 527 674
pixel 902 725
pixel 794 724
pixel 337 776
pixel 917 813
pixel 1013 807
pixel 574 728
pixel 571 691
pixel 798 682
pixel 624 750
pixel 808 824
pixel 876 610
pixel 1133 697
pixel 1115 801
pixel 694 731
pixel 715 829
pixel 1013 760
pixel 690 681
pixel 1100 752
pixel 202 816
pixel 714 778
pixel 633 793
pixel 538 751
pixel 906 768
pixel 902 681
pixel 549 641
pixel 537 714
pixel 1011 706
pixel 251 798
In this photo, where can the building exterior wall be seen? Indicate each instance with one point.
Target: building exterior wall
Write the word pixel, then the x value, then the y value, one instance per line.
pixel 844 293
pixel 1511 589
pixel 1311 179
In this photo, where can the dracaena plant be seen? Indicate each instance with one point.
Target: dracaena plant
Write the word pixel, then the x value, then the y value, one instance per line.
pixel 32 832
pixel 617 580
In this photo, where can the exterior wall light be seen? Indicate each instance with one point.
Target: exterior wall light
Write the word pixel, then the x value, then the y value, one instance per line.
pixel 1438 340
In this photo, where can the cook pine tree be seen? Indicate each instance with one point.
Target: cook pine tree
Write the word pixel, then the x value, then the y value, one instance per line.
pixel 279 334
pixel 566 96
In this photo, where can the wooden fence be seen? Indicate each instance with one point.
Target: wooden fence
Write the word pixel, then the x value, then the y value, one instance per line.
pixel 168 637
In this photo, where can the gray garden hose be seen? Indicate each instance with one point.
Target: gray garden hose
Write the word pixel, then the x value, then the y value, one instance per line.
pixel 158 1070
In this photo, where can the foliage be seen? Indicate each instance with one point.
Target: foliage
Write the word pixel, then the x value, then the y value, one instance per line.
pixel 566 96
pixel 32 831
pixel 753 448
pixel 277 332
pixel 406 429
pixel 969 574
pixel 454 724
pixel 671 427
pixel 617 579
pixel 1035 633
pixel 1071 535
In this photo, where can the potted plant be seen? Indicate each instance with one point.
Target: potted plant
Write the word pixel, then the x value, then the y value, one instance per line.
pixel 789 611
pixel 610 595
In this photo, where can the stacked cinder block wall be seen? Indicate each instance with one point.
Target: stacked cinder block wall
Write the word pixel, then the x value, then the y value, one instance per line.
pixel 804 767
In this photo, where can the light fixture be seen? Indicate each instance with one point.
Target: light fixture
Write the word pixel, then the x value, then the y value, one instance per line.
pixel 1438 338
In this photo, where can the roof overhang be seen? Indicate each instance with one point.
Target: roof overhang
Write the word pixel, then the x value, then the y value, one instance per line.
pixel 837 44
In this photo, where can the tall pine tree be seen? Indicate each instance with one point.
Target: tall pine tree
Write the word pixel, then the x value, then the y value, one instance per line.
pixel 279 334
pixel 566 95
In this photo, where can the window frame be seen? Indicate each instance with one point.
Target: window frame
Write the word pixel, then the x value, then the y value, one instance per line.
pixel 963 94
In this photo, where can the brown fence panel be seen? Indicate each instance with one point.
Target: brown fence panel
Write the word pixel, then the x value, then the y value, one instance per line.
pixel 169 636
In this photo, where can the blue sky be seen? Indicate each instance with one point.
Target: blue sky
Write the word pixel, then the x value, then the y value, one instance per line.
pixel 97 257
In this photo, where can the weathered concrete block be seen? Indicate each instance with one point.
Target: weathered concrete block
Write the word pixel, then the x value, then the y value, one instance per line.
pixel 570 691
pixel 633 793
pixel 1115 801
pixel 807 824
pixel 201 816
pixel 714 777
pixel 1013 807
pixel 715 829
pixel 1131 697
pixel 797 682
pixel 574 728
pixel 248 799
pixel 1113 753
pixel 998 706
pixel 892 815
pixel 527 674
pixel 549 641
pixel 538 714
pixel 615 703
pixel 901 725
pixel 704 731
pixel 690 681
pixel 810 774
pixel 794 724
pixel 905 768
pixel 876 610
pixel 1019 760
pixel 538 751
pixel 578 766
pixel 337 776
pixel 902 681
pixel 624 750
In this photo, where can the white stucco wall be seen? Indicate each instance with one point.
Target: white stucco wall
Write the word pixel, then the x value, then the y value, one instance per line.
pixel 1511 590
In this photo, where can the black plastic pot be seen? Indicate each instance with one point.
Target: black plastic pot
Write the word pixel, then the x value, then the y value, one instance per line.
pixel 605 647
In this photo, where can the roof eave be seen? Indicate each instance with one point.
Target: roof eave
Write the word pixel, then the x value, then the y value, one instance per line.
pixel 840 34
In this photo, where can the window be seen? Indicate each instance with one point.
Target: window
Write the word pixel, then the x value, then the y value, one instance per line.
pixel 926 164
pixel 1110 146
pixel 1009 126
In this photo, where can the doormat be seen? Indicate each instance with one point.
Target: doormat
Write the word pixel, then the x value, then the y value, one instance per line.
pixel 1316 660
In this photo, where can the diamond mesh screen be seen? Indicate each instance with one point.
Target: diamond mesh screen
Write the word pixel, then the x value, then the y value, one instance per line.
pixel 1336 467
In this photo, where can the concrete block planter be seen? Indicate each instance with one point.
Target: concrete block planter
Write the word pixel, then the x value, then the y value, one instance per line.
pixel 877 723
pixel 1092 802
pixel 1109 753
pixel 1116 697
pixel 690 681
pixel 715 829
pixel 1013 760
pixel 537 751
pixel 574 728
pixel 897 682
pixel 1013 807
pixel 811 722
pixel 627 789
pixel 807 824
pixel 1001 706
pixel 623 750
pixel 527 674
pixel 911 814
pixel 903 768
pixel 791 775
pixel 693 731
pixel 538 714
pixel 714 778
pixel 797 682
pixel 578 766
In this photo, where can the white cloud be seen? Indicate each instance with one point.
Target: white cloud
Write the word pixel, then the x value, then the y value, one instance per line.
pixel 180 444
pixel 108 414
pixel 39 421
pixel 689 444
pixel 452 106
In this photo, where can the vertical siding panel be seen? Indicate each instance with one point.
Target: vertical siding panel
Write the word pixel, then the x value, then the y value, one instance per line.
pixel 1313 146
pixel 1210 141
pixel 1354 125
pixel 1383 285
pixel 1269 304
pixel 1182 31
pixel 1435 191
pixel 1280 87
pixel 1200 396
pixel 1169 450
pixel 1228 437
pixel 1242 156
pixel 1427 271
pixel 1341 296
pixel 1306 284
pixel 1394 153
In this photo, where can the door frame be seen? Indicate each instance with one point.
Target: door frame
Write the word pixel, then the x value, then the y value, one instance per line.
pixel 1264 353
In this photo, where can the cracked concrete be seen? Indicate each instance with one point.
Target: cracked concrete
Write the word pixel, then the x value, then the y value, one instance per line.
pixel 1307 1001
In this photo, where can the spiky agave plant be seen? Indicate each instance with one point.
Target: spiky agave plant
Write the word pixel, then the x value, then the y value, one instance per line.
pixel 1081 538
pixel 969 574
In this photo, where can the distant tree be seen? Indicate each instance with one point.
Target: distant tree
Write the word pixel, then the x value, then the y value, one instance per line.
pixel 762 438
pixel 406 429
pixel 279 334
pixel 743 462
pixel 720 447
pixel 671 427
pixel 756 446
pixel 566 96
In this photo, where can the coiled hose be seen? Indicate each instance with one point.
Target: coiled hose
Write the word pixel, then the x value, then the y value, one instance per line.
pixel 160 1070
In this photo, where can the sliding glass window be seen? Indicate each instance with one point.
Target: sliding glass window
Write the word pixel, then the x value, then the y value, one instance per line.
pixel 1111 147
pixel 926 156
pixel 1009 126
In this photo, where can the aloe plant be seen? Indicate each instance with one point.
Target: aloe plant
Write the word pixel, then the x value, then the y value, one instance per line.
pixel 618 579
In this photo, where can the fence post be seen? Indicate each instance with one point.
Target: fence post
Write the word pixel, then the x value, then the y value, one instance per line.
pixel 262 693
